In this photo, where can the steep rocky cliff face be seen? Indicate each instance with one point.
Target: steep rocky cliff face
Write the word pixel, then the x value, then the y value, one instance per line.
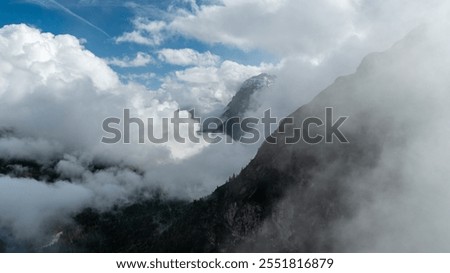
pixel 242 101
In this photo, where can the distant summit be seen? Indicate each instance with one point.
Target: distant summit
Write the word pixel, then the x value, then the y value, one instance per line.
pixel 242 102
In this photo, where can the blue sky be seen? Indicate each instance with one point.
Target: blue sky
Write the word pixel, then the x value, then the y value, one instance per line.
pixel 99 23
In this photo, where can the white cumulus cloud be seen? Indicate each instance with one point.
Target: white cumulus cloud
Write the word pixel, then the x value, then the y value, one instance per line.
pixel 187 57
pixel 54 97
pixel 141 59
pixel 145 32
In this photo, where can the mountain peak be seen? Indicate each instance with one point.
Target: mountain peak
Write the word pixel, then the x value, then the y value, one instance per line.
pixel 259 81
pixel 242 101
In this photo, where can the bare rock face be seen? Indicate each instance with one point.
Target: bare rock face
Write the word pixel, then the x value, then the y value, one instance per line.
pixel 243 101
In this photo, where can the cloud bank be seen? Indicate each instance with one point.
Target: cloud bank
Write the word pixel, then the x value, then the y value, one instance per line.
pixel 54 96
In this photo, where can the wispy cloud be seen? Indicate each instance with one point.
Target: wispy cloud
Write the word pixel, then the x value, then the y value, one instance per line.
pixel 187 57
pixel 146 32
pixel 53 3
pixel 141 59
